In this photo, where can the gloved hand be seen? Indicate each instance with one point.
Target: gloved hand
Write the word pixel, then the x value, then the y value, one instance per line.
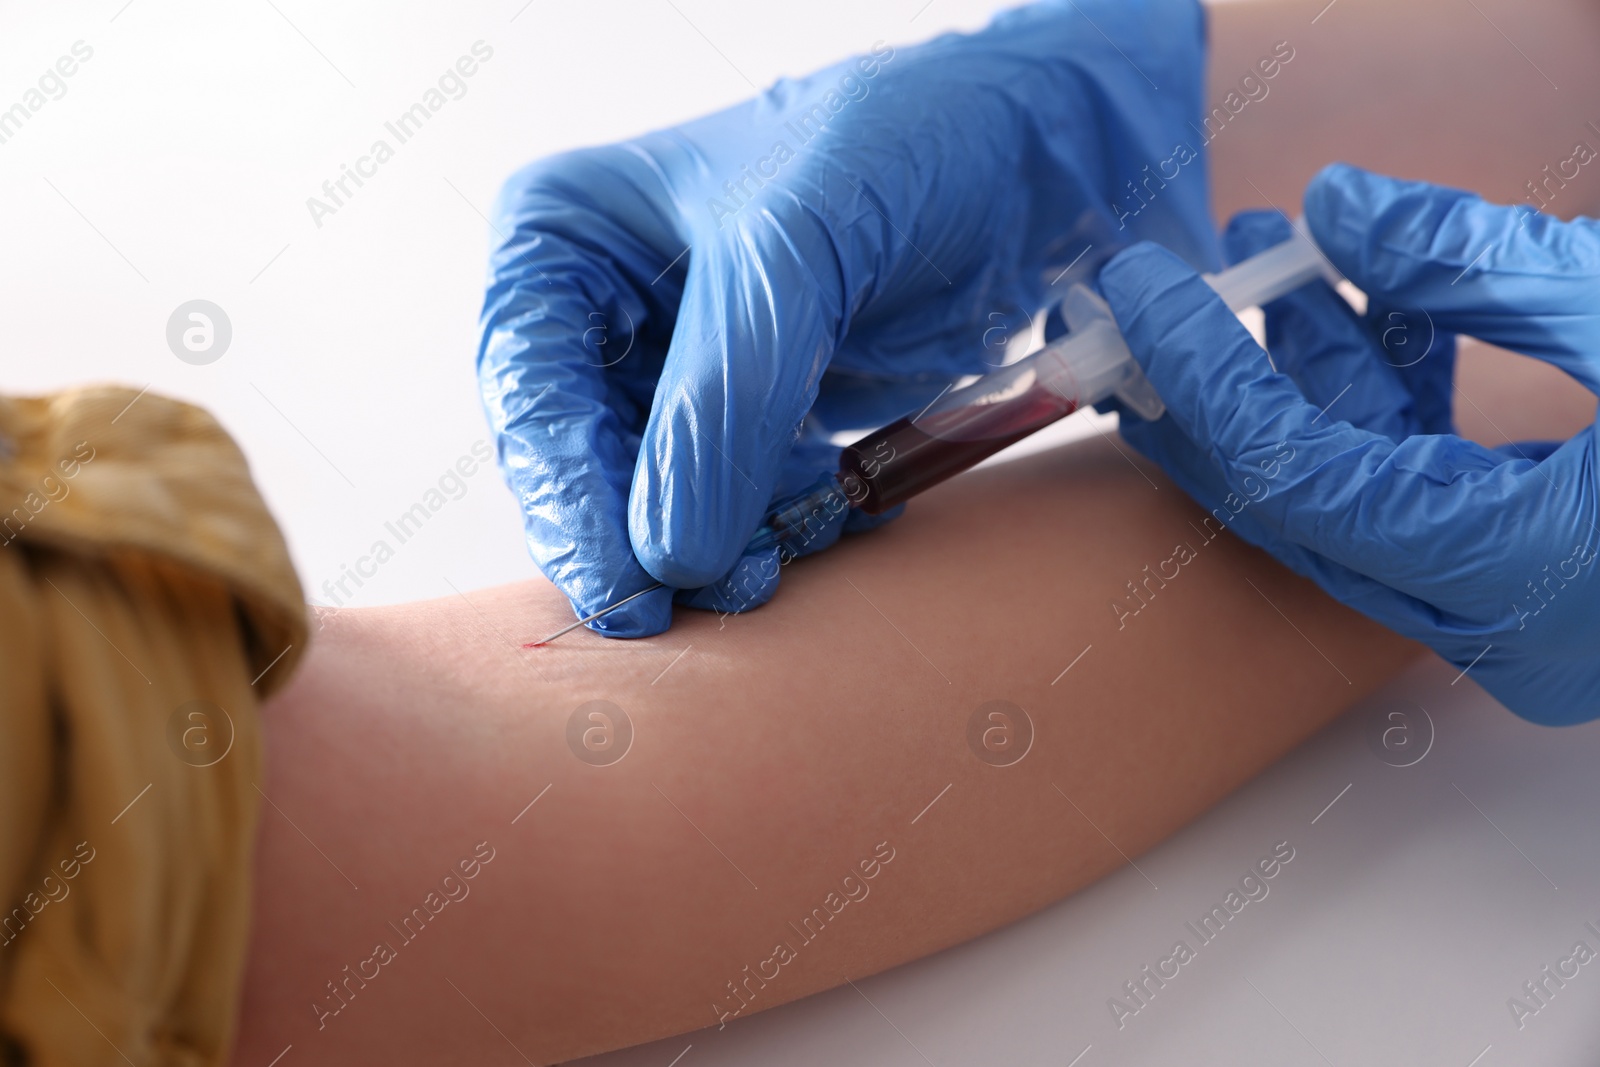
pixel 1342 462
pixel 677 326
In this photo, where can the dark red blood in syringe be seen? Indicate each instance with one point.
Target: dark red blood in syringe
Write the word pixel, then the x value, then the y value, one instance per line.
pixel 906 457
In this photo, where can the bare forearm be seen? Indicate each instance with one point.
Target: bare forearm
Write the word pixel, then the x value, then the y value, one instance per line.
pixel 1481 94
pixel 823 736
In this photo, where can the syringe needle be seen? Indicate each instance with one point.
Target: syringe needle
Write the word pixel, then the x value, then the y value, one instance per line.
pixel 608 609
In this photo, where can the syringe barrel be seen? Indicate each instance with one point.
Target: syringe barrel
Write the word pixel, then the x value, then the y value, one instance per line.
pixel 963 426
pixel 955 432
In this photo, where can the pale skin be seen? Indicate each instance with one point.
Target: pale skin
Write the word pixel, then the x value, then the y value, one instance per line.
pixel 774 753
pixel 782 749
pixel 767 762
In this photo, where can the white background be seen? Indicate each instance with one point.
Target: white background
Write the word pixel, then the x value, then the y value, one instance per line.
pixel 177 166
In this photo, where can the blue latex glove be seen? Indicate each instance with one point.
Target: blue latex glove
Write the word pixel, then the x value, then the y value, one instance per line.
pixel 676 327
pixel 1486 555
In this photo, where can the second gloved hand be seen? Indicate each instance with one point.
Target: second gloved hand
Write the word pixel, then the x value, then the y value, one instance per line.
pixel 1341 460
pixel 677 326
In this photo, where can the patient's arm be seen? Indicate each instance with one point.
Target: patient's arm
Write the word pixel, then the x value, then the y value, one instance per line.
pixel 773 753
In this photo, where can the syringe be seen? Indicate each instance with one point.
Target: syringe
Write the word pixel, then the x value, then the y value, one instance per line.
pixel 964 426
pixel 1090 364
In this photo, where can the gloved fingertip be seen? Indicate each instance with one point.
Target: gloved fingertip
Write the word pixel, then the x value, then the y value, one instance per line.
pixel 1333 190
pixel 1140 272
pixel 750 584
pixel 1151 291
pixel 691 510
pixel 682 562
pixel 1370 226
pixel 1192 349
pixel 649 615
pixel 1331 198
